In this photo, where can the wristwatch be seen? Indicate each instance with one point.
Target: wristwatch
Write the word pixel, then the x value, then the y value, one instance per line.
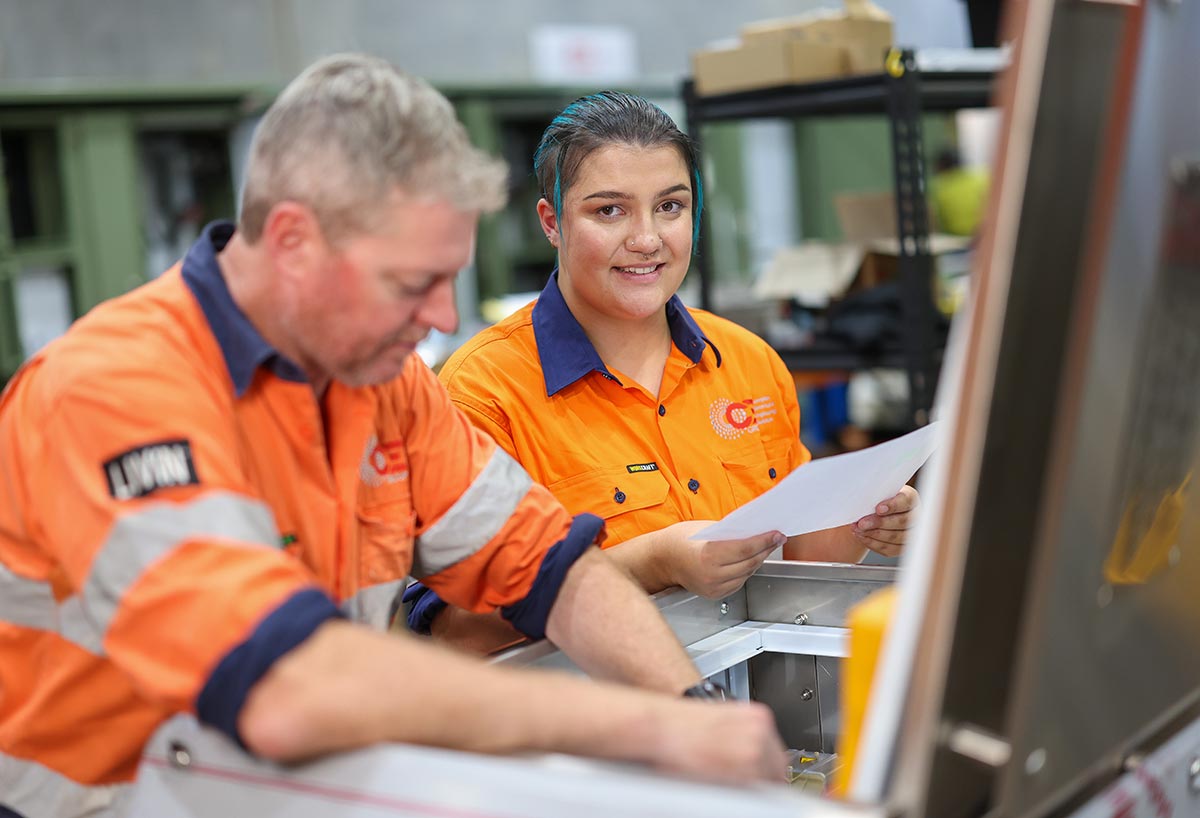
pixel 706 690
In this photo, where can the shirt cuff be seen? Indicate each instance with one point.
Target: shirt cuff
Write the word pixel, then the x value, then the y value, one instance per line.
pixel 530 614
pixel 223 695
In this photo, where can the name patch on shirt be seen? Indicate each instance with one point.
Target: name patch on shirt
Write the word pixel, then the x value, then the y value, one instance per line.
pixel 633 468
pixel 148 468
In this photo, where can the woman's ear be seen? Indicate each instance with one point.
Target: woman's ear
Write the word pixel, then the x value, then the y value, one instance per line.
pixel 549 221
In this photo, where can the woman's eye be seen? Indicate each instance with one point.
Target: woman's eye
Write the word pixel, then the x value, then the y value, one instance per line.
pixel 672 206
pixel 608 210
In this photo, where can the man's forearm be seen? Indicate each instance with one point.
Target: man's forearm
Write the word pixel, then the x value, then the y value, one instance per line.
pixel 831 545
pixel 612 630
pixel 348 687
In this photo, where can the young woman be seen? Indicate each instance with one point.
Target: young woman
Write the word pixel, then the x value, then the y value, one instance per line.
pixel 620 399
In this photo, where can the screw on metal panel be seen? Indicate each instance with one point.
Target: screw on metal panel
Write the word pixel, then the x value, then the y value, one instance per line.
pixel 724 608
pixel 806 694
pixel 1104 595
pixel 1035 761
pixel 1194 776
pixel 801 619
pixel 179 756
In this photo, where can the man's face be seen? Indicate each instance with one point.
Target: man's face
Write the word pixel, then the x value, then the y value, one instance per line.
pixel 372 296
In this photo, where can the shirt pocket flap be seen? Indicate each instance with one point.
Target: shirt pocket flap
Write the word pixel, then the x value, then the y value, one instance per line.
pixel 755 469
pixel 611 491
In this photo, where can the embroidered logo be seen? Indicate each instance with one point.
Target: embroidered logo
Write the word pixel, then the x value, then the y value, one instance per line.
pixel 732 419
pixel 148 468
pixel 383 462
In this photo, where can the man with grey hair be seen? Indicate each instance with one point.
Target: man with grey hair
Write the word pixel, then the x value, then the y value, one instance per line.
pixel 211 486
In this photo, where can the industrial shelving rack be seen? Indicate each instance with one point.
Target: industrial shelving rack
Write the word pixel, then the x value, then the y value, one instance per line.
pixel 902 92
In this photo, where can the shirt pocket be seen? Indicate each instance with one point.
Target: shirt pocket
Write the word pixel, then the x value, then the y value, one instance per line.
pixel 386 530
pixel 754 469
pixel 623 499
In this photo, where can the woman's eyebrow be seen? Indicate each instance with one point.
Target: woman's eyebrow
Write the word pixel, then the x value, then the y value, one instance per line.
pixel 616 194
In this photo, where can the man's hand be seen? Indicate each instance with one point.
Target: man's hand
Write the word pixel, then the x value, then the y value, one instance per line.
pixel 885 531
pixel 733 742
pixel 713 568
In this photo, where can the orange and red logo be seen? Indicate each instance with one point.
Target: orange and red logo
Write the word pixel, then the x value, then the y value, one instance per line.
pixel 731 419
pixel 383 462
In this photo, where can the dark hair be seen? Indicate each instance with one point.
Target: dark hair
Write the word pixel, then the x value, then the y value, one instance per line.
pixel 607 118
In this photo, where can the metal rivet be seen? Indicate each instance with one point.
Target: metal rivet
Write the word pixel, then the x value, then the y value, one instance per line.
pixel 801 619
pixel 1035 762
pixel 179 755
pixel 806 694
pixel 724 608
pixel 1104 595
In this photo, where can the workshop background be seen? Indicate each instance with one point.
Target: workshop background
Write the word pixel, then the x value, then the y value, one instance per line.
pixel 123 126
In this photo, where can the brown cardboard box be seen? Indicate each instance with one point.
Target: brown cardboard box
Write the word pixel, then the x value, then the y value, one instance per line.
pixel 866 215
pixel 781 61
pixel 864 40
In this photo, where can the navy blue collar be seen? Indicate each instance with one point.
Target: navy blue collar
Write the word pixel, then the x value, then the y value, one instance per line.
pixel 567 355
pixel 245 350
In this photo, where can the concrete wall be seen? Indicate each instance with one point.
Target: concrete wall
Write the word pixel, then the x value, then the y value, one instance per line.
pixel 217 41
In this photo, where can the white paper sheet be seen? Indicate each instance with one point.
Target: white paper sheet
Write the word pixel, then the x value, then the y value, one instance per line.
pixel 831 491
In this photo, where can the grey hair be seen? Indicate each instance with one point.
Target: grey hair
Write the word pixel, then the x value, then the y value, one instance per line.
pixel 351 130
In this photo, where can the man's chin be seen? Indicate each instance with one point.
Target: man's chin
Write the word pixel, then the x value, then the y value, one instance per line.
pixel 375 373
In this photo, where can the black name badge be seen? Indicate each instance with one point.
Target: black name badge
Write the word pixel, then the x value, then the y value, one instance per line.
pixel 633 468
pixel 148 468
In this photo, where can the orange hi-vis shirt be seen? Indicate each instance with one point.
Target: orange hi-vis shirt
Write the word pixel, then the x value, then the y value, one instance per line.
pixel 724 428
pixel 178 509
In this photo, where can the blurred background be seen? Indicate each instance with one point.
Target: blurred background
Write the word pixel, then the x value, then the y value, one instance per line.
pixel 124 126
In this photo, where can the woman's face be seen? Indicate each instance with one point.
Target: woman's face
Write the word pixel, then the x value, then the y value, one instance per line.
pixel 625 240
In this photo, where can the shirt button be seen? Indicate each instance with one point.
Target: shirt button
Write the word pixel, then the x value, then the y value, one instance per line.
pixel 694 485
pixel 772 473
pixel 619 496
pixel 662 410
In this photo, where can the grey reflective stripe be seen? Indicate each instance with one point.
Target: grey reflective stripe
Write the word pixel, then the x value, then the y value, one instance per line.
pixel 27 602
pixel 140 539
pixel 475 518
pixel 373 606
pixel 36 791
pixel 30 603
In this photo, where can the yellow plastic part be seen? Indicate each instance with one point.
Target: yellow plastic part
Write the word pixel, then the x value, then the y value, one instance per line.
pixel 1136 556
pixel 868 621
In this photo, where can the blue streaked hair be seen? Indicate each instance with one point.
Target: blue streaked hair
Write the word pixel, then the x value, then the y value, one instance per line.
pixel 608 118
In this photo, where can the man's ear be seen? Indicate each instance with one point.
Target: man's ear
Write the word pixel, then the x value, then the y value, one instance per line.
pixel 549 222
pixel 292 236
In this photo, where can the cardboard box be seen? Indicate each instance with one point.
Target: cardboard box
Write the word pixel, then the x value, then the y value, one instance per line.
pixel 864 40
pixel 866 216
pixel 782 61
pixel 813 273
pixel 816 273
